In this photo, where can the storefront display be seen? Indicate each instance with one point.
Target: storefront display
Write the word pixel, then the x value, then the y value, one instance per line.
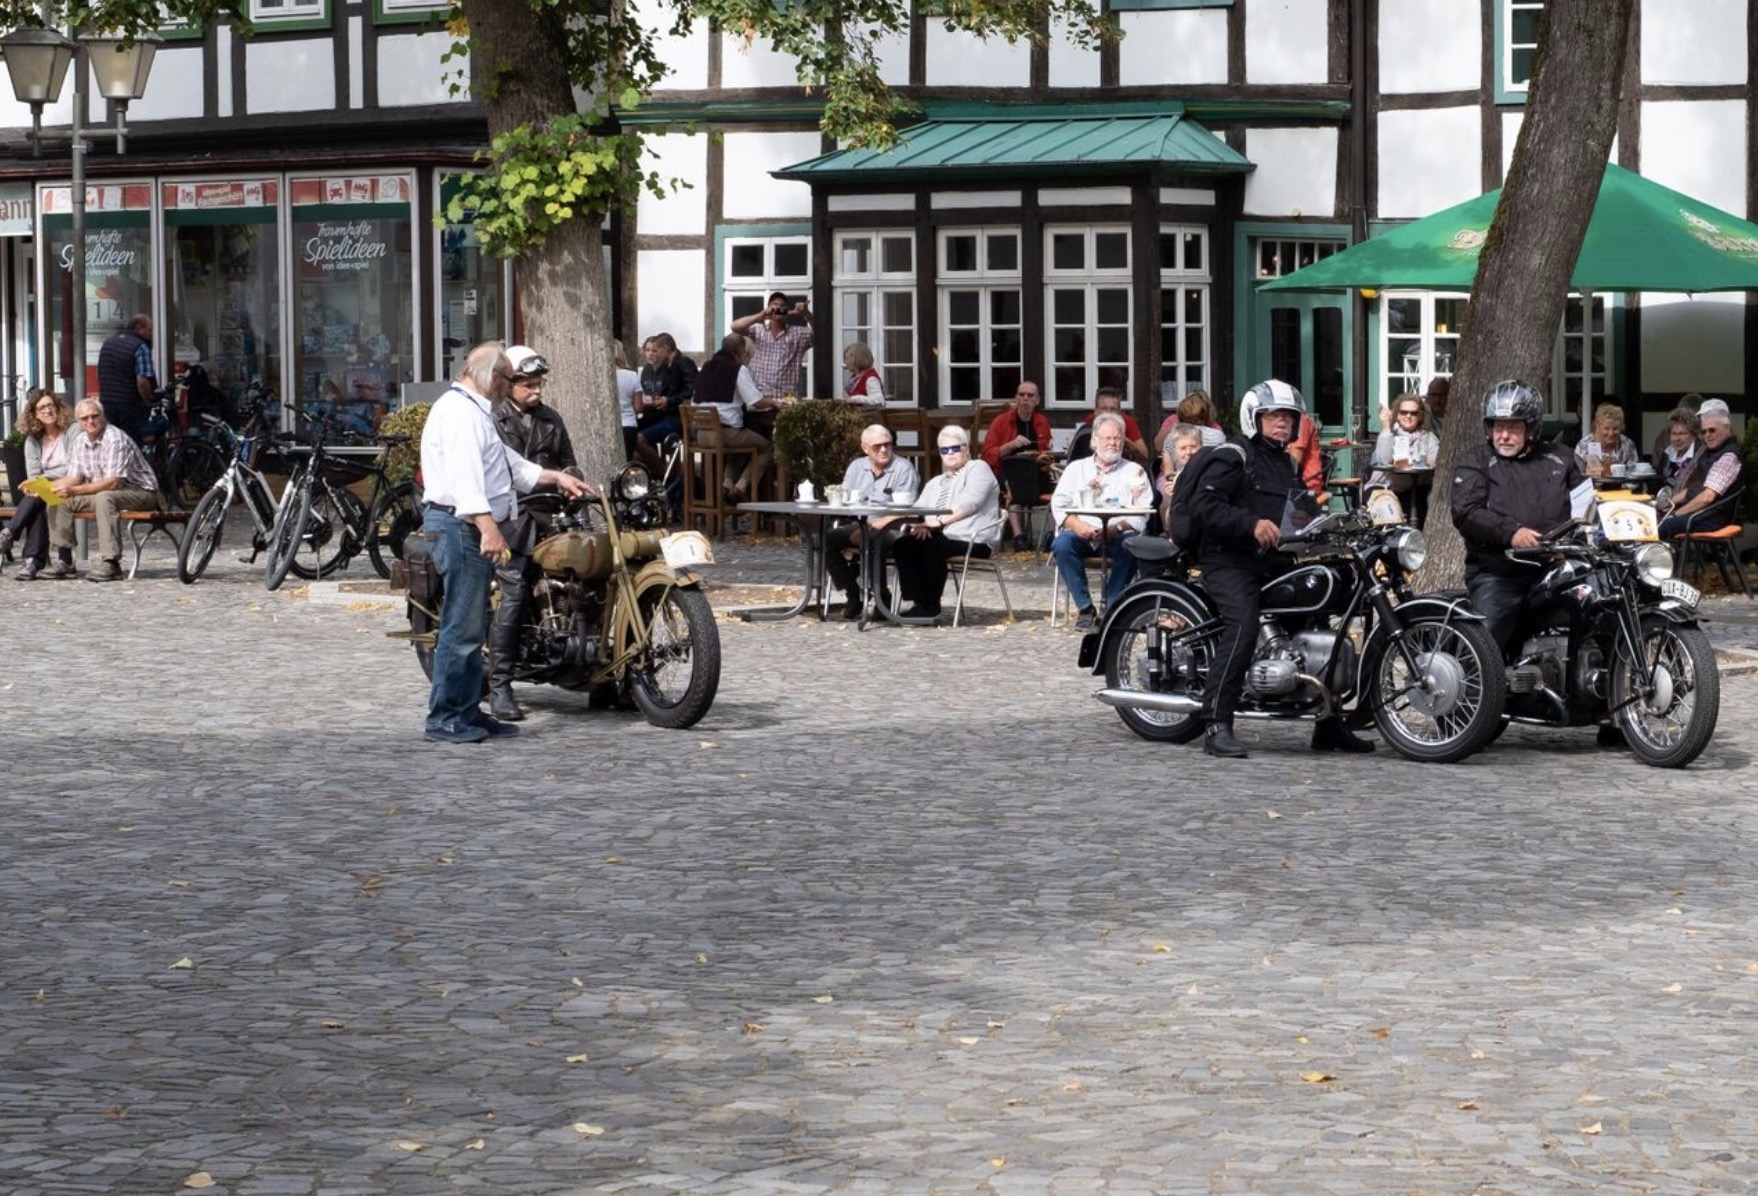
pixel 223 296
pixel 472 288
pixel 119 273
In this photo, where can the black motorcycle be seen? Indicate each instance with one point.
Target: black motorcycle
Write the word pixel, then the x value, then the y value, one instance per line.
pixel 1342 634
pixel 1608 634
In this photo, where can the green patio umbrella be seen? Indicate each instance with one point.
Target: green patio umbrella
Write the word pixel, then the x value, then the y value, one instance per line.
pixel 1642 237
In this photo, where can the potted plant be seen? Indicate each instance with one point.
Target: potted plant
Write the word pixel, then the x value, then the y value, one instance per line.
pixel 12 452
pixel 403 460
pixel 816 439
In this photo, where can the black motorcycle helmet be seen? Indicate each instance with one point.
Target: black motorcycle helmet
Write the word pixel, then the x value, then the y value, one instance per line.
pixel 1514 399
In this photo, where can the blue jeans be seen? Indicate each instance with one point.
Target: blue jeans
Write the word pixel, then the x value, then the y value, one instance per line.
pixel 1069 550
pixel 456 698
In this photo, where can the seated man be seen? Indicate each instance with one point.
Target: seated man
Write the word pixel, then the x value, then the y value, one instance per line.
pixel 1021 430
pixel 725 382
pixel 1103 479
pixel 972 498
pixel 1110 398
pixel 874 477
pixel 1718 471
pixel 106 475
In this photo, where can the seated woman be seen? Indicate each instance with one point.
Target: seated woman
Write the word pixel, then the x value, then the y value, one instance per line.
pixel 1197 410
pixel 865 388
pixel 1409 441
pixel 1607 446
pixel 1674 461
pixel 46 455
pixel 969 489
pixel 1183 443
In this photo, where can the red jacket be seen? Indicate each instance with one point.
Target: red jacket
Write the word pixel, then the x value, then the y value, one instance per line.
pixel 1005 428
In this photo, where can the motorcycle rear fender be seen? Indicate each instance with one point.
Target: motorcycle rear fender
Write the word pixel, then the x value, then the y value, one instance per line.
pixel 1183 597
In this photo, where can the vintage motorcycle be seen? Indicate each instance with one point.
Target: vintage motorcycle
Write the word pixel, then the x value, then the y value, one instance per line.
pixel 1341 633
pixel 1609 633
pixel 615 612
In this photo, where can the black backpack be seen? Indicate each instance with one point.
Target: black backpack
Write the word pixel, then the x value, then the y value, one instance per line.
pixel 1179 527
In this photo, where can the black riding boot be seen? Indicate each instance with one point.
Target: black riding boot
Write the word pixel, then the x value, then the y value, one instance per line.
pixel 1218 741
pixel 503 653
pixel 1332 735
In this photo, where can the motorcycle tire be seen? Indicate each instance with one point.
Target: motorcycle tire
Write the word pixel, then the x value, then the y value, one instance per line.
pixel 1461 713
pixel 1671 723
pixel 678 674
pixel 1125 661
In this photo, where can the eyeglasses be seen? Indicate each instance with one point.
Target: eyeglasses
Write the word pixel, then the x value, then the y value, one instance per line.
pixel 946 450
pixel 883 444
pixel 46 409
pixel 90 419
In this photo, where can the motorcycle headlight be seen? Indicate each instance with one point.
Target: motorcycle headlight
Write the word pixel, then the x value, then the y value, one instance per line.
pixel 1654 563
pixel 1412 549
pixel 633 482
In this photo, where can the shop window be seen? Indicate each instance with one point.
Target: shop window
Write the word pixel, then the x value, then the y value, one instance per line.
pixel 981 327
pixel 223 286
pixel 119 277
pixel 473 288
pixel 874 287
pixel 353 281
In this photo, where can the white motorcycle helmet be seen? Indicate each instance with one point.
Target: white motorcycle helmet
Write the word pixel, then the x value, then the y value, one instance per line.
pixel 1270 395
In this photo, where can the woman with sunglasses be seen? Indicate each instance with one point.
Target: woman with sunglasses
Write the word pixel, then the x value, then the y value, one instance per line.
pixel 45 425
pixel 973 520
pixel 1408 442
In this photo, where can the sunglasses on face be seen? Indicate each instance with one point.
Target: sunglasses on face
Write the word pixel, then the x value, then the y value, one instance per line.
pixel 883 444
pixel 946 450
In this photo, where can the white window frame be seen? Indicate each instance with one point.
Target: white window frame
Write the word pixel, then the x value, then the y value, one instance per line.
pixel 1177 281
pixel 271 11
pixel 744 286
pixel 1506 50
pixel 876 285
pixel 1091 280
pixel 988 282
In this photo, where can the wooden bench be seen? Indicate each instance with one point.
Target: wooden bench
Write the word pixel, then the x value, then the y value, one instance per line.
pixel 141 526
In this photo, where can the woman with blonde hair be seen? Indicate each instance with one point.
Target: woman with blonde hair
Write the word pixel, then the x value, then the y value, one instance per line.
pixel 47 454
pixel 1607 446
pixel 1197 410
pixel 865 387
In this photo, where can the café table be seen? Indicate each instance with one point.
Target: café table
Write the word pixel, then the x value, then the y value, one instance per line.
pixel 1105 514
pixel 1421 484
pixel 821 516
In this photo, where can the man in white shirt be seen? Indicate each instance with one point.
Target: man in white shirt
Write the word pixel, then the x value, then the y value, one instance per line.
pixel 1104 479
pixel 471 478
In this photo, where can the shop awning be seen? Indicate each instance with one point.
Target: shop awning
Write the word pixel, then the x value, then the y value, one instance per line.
pixel 1073 142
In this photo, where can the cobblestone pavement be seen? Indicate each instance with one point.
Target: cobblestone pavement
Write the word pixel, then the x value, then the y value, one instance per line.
pixel 907 913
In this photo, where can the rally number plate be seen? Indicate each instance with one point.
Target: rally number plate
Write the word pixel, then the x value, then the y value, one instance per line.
pixel 1680 591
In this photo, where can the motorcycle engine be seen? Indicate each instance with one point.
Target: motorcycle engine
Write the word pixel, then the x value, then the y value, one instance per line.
pixel 558 637
pixel 1550 653
pixel 1276 667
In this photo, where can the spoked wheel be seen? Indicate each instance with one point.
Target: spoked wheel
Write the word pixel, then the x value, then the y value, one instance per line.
pixel 284 536
pixel 195 466
pixel 332 532
pixel 393 518
pixel 1142 631
pixel 203 534
pixel 1450 704
pixel 677 677
pixel 1668 719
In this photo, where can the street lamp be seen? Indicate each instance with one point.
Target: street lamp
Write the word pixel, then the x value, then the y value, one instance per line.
pixel 37 62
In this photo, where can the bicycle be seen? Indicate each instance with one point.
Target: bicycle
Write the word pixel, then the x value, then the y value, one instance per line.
pixel 186 464
pixel 322 525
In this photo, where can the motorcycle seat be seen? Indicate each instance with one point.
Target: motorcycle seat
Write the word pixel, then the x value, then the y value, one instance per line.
pixel 1151 548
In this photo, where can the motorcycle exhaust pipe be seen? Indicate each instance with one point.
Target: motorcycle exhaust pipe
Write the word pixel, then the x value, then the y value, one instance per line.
pixel 1137 699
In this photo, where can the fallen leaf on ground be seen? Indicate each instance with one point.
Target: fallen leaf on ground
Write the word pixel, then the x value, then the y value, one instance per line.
pixel 198 1179
pixel 751 1028
pixel 580 1058
pixel 1470 1104
pixel 823 1000
pixel 1073 1086
pixel 184 965
pixel 1382 1032
pixel 1271 814
pixel 476 1145
pixel 700 958
pixel 613 859
pixel 967 1041
pixel 1162 949
pixel 409 1146
pixel 331 1024
pixel 997 1161
pixel 587 1130
pixel 1592 1129
pixel 1673 988
pixel 1317 1077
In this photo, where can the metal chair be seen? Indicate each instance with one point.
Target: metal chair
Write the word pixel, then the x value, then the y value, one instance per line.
pixel 1716 544
pixel 960 570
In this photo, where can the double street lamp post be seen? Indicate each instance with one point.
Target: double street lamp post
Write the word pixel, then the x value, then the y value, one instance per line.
pixel 37 61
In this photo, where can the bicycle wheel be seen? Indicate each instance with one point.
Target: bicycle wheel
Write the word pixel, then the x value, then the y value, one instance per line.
pixel 194 467
pixel 393 518
pixel 332 533
pixel 289 527
pixel 203 534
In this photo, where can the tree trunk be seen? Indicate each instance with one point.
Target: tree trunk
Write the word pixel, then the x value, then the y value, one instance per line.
pixel 1522 284
pixel 520 75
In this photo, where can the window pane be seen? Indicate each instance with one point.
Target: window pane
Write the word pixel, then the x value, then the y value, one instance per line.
pixel 1193 306
pixel 1069 385
pixel 1068 251
pixel 1524 27
pixel 962 307
pixel 1003 251
pixel 747 261
pixel 1449 315
pixel 899 346
pixel 1004 307
pixel 966 383
pixel 1193 251
pixel 1111 251
pixel 961 253
pixel 899 307
pixel 793 259
pixel 1168 251
pixel 900 384
pixel 1004 345
pixel 1522 67
pixel 1068 307
pixel 1403 315
pixel 1006 381
pixel 1327 365
pixel 857 255
pixel 746 305
pixel 857 310
pixel 962 346
pixel 1193 344
pixel 1285 359
pixel 1113 307
pixel 1113 344
pixel 897 255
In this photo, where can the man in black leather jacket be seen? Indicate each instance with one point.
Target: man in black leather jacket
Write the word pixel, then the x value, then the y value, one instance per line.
pixel 533 430
pixel 1236 510
pixel 1507 493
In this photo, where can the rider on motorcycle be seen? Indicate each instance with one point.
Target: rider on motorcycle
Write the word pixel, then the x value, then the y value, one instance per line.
pixel 1236 511
pixel 1507 492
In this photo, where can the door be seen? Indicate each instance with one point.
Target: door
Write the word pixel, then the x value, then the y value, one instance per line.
pixel 1303 340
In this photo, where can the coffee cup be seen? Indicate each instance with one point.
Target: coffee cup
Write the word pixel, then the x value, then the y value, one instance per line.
pixel 807 492
pixel 902 498
pixel 1618 471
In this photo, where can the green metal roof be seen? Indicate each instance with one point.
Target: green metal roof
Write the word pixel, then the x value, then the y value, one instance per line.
pixel 999 141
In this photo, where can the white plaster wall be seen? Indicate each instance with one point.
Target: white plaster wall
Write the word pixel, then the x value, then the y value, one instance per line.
pixel 1698 147
pixel 14 115
pixel 1429 45
pixel 1296 172
pixel 1694 41
pixel 756 65
pixel 1182 46
pixel 687 56
pixel 1070 65
pixel 893 54
pixel 1429 160
pixel 749 193
pixel 410 71
pixel 956 57
pixel 672 283
pixel 173 89
pixel 1285 41
pixel 290 76
pixel 683 212
pixel 1694 342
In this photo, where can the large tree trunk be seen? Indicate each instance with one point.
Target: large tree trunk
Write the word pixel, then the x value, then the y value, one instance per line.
pixel 519 74
pixel 1523 274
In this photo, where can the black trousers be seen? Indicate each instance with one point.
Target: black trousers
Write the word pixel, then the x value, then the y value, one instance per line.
pixel 921 566
pixel 30 529
pixel 840 542
pixel 1235 594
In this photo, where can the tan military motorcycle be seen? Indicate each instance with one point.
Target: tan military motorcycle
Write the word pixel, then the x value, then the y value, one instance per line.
pixel 614 612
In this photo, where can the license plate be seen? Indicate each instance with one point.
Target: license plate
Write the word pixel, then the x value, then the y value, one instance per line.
pixel 1679 591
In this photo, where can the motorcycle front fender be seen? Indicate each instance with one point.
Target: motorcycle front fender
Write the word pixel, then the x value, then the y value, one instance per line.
pixel 1436 606
pixel 657 572
pixel 1180 596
